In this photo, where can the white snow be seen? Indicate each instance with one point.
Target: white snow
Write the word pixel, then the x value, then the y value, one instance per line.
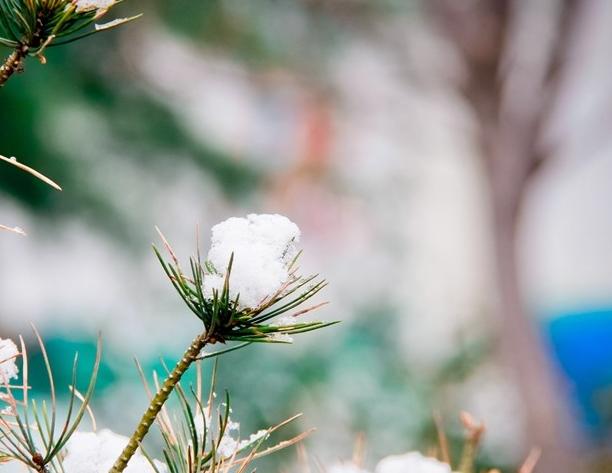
pixel 96 452
pixel 230 443
pixel 412 462
pixel 263 247
pixel 89 5
pixel 8 364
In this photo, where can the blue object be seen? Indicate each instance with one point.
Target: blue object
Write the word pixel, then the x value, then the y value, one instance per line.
pixel 581 342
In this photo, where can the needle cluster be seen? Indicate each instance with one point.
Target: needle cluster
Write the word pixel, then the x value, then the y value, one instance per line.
pixel 29 27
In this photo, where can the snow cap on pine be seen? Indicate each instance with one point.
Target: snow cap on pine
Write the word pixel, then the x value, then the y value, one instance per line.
pixel 91 5
pixel 96 452
pixel 263 246
pixel 8 364
pixel 230 443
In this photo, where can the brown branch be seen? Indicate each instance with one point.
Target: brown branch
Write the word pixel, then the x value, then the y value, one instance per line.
pixel 158 401
pixel 512 106
pixel 553 82
pixel 13 64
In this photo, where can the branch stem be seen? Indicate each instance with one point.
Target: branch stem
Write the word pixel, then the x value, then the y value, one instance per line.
pixel 14 63
pixel 148 418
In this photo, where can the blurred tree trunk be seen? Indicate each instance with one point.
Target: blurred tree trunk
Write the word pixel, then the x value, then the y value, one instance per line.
pixel 511 92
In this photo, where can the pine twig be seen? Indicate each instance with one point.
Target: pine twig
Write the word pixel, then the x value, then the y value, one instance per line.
pixel 474 431
pixel 13 64
pixel 159 400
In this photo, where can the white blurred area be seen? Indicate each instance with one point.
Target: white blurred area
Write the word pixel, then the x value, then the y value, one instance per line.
pixel 567 237
pixel 383 178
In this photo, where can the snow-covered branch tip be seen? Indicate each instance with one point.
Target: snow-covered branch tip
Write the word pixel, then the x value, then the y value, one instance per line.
pixel 246 291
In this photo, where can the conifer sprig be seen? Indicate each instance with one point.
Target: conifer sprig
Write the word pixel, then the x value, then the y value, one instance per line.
pixel 225 320
pixel 30 432
pixel 203 439
pixel 223 317
pixel 13 161
pixel 29 27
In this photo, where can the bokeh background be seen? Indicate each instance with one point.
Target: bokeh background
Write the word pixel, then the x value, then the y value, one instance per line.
pixel 449 164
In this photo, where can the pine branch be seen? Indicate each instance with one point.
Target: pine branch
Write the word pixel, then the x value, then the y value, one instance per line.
pixel 224 321
pixel 13 64
pixel 158 402
pixel 30 26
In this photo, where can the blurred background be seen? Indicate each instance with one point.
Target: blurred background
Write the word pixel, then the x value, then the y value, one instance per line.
pixel 448 162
